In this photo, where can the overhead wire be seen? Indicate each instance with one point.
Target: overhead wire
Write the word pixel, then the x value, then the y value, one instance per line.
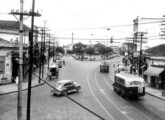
pixel 45 82
pixel 114 26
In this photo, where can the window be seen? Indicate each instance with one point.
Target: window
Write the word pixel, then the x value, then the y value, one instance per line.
pixel 135 83
pixel 119 80
pixel 68 84
pixel 2 64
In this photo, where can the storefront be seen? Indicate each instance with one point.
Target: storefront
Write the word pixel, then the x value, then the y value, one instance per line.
pixel 154 77
pixel 5 67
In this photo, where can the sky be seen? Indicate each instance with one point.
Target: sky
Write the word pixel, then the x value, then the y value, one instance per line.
pixel 89 19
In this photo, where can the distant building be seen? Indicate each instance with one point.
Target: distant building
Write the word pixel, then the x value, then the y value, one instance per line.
pixel 68 47
pixel 155 74
pixel 115 49
pixel 9 30
pixel 128 48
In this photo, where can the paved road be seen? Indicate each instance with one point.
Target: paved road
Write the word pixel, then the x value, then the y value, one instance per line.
pixel 97 94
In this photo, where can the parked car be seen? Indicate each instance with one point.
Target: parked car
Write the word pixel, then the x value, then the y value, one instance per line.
pixel 53 71
pixel 63 87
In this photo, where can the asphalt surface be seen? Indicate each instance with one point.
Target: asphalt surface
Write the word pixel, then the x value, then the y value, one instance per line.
pixel 97 95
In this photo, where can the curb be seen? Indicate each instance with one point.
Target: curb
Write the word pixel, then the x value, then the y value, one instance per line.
pixel 155 96
pixel 22 89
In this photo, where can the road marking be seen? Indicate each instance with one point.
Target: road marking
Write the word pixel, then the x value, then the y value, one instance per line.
pixel 98 100
pixel 121 111
pixel 108 84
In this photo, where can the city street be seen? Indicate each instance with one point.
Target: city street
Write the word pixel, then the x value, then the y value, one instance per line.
pixel 96 94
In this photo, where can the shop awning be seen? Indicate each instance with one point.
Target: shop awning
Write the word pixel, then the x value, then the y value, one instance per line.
pixel 154 71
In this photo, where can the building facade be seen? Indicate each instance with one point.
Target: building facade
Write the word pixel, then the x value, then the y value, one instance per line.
pixel 155 73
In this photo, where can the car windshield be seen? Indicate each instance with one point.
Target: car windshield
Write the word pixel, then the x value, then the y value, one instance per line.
pixel 58 85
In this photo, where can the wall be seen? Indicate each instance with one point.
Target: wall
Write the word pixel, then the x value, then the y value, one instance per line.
pixel 6 75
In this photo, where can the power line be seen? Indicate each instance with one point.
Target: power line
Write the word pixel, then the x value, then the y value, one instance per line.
pixel 97 115
pixel 114 26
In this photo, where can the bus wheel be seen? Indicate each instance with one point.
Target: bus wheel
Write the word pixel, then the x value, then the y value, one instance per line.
pixel 114 89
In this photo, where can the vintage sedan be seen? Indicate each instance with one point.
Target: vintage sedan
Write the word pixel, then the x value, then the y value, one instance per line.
pixel 63 87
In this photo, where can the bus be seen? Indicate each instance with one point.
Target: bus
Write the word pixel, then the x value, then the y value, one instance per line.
pixel 128 85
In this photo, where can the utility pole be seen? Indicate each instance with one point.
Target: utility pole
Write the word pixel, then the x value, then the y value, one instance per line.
pixel 54 49
pixel 135 29
pixel 49 52
pixel 72 38
pixel 140 56
pixel 21 31
pixel 43 52
pixel 41 60
pixel 31 60
pixel 19 109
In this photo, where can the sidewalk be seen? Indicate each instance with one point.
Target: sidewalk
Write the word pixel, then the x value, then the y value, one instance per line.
pixel 155 93
pixel 13 87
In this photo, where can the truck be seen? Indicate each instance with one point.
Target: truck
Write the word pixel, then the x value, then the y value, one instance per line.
pixel 104 67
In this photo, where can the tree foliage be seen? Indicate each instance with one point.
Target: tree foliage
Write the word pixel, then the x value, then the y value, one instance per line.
pixel 90 50
pixel 60 50
pixel 98 46
pixel 105 51
pixel 79 48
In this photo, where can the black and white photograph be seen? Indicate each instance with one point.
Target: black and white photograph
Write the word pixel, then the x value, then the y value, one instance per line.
pixel 82 60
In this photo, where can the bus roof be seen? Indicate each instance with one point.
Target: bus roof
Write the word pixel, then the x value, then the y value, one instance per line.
pixel 129 77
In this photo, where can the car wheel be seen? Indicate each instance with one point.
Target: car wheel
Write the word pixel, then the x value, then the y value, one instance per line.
pixel 77 90
pixel 122 94
pixel 65 93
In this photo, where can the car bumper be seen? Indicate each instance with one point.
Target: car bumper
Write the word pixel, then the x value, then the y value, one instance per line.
pixel 55 92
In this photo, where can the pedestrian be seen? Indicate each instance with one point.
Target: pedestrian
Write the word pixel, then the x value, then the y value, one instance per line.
pixel 134 70
pixel 131 69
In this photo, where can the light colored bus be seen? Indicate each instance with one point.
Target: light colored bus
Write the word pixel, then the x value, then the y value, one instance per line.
pixel 127 85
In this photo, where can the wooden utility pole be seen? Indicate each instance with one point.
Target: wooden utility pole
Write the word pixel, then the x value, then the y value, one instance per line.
pixel 43 52
pixel 21 31
pixel 19 109
pixel 31 60
pixel 140 56
pixel 135 29
pixel 54 50
pixel 72 38
pixel 41 60
pixel 49 52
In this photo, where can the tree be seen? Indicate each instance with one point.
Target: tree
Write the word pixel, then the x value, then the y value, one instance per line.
pixel 79 48
pixel 98 46
pixel 108 50
pixel 60 50
pixel 105 51
pixel 90 51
